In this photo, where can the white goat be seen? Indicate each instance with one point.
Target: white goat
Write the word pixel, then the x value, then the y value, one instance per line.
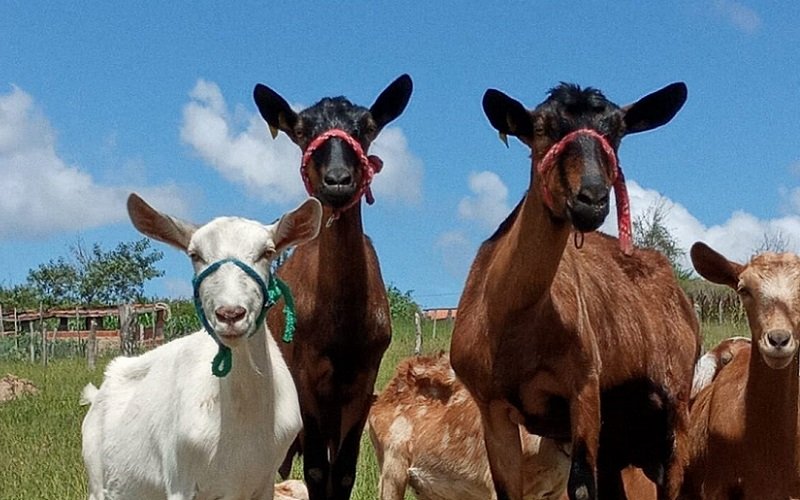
pixel 162 425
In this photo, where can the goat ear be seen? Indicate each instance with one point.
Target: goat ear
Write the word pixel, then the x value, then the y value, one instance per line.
pixel 508 116
pixel 714 267
pixel 158 226
pixel 392 101
pixel 275 110
pixel 298 226
pixel 656 109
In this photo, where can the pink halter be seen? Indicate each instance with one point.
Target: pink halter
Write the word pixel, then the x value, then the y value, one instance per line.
pixel 370 165
pixel 618 180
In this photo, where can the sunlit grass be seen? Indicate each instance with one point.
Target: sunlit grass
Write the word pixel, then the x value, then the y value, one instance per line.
pixel 40 435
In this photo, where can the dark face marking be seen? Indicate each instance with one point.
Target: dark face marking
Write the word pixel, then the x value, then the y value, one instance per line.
pixel 581 180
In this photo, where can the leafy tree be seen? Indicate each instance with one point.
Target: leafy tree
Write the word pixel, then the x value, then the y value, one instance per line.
pixel 401 304
pixel 20 296
pixel 650 231
pixel 97 277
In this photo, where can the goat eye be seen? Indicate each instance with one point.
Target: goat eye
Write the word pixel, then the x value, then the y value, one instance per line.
pixel 299 134
pixel 267 254
pixel 195 257
pixel 743 291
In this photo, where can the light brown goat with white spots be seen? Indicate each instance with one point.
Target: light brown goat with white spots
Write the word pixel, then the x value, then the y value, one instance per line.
pixel 427 433
pixel 709 365
pixel 744 426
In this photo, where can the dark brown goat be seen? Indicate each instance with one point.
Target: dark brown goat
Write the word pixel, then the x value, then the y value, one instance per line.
pixel 744 426
pixel 553 335
pixel 343 322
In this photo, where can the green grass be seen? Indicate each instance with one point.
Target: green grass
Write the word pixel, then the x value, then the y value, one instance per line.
pixel 40 437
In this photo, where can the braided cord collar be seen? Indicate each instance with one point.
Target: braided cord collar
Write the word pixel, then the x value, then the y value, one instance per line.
pixel 370 165
pixel 271 292
pixel 617 179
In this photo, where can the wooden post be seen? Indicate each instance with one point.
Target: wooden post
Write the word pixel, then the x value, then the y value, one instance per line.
pixel 126 335
pixel 44 335
pixel 16 330
pixel 418 335
pixel 32 342
pixel 91 348
pixel 2 322
pixel 434 324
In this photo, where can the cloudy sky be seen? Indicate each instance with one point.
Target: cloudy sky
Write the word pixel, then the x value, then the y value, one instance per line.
pixel 152 97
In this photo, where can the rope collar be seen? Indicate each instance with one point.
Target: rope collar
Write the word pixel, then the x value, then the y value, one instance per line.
pixel 370 165
pixel 617 179
pixel 270 293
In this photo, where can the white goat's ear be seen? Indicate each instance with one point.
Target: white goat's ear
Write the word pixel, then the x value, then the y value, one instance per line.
pixel 299 225
pixel 158 226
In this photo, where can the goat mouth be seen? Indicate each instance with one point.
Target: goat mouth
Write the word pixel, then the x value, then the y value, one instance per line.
pixel 587 217
pixel 777 358
pixel 336 196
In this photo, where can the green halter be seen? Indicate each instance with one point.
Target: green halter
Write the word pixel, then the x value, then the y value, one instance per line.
pixel 270 294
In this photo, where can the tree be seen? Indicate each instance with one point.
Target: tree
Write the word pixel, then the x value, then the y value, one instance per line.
pixel 773 241
pixel 650 231
pixel 401 304
pixel 97 277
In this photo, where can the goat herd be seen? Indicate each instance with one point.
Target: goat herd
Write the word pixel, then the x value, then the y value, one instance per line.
pixel 573 354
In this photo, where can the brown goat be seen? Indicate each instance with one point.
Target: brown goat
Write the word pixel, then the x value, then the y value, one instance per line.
pixel 426 430
pixel 709 365
pixel 744 426
pixel 553 335
pixel 343 321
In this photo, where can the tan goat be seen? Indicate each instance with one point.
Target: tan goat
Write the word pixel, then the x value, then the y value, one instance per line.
pixel 744 426
pixel 426 430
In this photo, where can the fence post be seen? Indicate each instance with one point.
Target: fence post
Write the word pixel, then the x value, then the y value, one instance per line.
pixel 44 335
pixel 126 335
pixel 418 335
pixel 91 348
pixel 2 322
pixel 32 342
pixel 16 330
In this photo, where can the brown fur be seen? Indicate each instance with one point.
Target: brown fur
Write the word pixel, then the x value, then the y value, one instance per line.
pixel 547 332
pixel 744 425
pixel 343 321
pixel 709 365
pixel 426 430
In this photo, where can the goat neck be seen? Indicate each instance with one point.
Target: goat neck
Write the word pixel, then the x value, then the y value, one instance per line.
pixel 342 252
pixel 527 256
pixel 771 414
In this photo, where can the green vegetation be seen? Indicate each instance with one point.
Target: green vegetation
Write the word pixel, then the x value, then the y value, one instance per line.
pixel 40 435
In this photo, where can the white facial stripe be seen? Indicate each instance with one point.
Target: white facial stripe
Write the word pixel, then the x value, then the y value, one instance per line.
pixel 781 288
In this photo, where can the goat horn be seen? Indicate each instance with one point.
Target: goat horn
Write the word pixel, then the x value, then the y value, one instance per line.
pixel 273 131
pixel 504 138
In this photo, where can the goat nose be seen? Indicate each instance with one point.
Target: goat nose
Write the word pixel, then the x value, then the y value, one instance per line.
pixel 593 191
pixel 230 314
pixel 338 177
pixel 779 338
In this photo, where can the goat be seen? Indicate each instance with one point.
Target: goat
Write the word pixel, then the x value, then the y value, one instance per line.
pixel 708 366
pixel 343 320
pixel 426 431
pixel 162 424
pixel 744 426
pixel 585 342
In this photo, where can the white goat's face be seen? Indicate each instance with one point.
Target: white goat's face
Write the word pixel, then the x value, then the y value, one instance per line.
pixel 769 288
pixel 232 300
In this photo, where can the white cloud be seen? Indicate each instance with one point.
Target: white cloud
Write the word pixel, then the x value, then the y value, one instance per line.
pixel 401 176
pixel 269 169
pixel 44 195
pixel 739 15
pixel 488 204
pixel 736 238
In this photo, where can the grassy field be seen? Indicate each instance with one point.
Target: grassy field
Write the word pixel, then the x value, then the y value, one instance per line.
pixel 40 436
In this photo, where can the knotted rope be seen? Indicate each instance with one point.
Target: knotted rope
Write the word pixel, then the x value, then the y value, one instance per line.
pixel 617 179
pixel 271 292
pixel 370 165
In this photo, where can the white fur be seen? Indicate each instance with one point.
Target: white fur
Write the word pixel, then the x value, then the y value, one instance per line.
pixel 163 426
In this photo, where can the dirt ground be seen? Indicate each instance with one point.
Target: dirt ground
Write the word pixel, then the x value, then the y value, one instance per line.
pixel 12 387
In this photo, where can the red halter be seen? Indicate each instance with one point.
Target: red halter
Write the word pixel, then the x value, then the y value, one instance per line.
pixel 370 165
pixel 618 180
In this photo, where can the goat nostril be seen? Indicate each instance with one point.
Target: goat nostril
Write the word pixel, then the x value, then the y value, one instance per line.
pixel 779 338
pixel 592 197
pixel 338 178
pixel 230 314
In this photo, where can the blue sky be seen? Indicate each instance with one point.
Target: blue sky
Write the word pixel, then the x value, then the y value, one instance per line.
pixel 98 100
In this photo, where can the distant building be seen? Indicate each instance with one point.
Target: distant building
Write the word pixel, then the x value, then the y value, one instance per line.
pixel 440 314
